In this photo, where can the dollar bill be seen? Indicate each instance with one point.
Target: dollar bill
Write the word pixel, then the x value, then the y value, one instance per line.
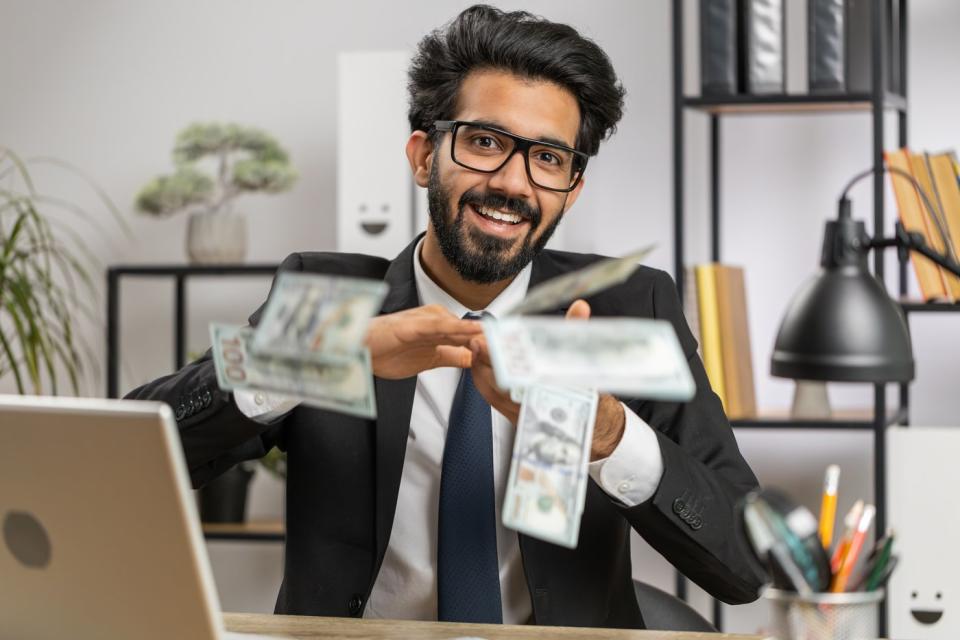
pixel 547 485
pixel 579 284
pixel 635 357
pixel 345 386
pixel 317 317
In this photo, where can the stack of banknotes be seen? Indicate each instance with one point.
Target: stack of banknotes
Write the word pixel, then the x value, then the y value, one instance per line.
pixel 309 344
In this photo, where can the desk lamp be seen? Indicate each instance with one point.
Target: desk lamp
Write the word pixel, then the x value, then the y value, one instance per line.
pixel 841 325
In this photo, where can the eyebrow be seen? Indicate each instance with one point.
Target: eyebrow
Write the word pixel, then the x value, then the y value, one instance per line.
pixel 547 139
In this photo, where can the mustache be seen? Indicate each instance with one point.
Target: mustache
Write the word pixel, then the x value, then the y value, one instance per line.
pixel 497 201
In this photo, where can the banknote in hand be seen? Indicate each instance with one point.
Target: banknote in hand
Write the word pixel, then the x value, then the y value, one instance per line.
pixel 634 357
pixel 579 284
pixel 547 485
pixel 345 386
pixel 317 317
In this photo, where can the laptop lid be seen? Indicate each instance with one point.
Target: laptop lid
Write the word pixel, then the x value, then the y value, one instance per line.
pixel 99 536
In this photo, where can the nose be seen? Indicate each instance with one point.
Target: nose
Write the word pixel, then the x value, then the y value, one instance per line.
pixel 512 179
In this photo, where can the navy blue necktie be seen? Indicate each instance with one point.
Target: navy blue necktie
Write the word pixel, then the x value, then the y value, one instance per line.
pixel 468 572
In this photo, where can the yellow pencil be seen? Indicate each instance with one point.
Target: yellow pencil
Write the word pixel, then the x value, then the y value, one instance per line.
pixel 828 505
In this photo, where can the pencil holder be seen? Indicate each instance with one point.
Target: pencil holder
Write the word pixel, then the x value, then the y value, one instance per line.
pixel 825 616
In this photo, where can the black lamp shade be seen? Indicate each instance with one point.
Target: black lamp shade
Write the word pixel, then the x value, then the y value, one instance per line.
pixel 842 326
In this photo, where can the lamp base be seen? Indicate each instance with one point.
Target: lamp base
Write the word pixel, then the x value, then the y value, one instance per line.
pixel 810 401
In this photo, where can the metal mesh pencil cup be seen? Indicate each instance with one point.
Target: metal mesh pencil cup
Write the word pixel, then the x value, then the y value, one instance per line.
pixel 825 616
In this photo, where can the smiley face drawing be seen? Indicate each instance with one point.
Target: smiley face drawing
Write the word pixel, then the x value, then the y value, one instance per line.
pixel 924 611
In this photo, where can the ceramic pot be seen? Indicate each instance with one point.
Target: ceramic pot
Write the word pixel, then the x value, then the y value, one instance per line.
pixel 216 237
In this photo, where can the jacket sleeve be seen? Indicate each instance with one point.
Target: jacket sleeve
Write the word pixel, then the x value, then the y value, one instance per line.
pixel 214 433
pixel 693 517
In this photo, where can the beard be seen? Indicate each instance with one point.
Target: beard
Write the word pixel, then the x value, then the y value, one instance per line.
pixel 477 256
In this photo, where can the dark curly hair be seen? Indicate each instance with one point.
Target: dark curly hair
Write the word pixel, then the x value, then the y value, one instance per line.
pixel 484 37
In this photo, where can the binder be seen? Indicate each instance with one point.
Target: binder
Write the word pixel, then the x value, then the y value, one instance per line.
pixel 718 47
pixel 762 62
pixel 839 46
pixel 735 349
pixel 706 277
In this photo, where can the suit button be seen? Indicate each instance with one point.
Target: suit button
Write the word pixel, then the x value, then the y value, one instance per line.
pixel 678 506
pixel 355 604
pixel 181 412
pixel 695 522
pixel 207 398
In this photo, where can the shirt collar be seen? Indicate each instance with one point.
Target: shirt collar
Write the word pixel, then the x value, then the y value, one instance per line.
pixel 431 293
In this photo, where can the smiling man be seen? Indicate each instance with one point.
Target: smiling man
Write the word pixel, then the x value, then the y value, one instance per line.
pixel 399 517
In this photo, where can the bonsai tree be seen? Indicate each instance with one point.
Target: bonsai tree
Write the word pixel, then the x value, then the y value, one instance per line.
pixel 247 159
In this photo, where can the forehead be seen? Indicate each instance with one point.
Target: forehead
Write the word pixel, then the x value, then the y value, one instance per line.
pixel 537 109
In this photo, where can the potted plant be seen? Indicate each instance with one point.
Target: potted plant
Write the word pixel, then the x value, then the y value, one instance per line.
pixel 45 283
pixel 224 499
pixel 246 160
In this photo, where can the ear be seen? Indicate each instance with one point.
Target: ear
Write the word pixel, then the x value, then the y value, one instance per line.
pixel 573 195
pixel 420 156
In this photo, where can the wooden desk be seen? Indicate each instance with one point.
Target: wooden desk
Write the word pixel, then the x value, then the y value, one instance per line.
pixel 354 629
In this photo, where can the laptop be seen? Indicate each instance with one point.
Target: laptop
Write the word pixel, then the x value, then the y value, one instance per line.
pixel 99 535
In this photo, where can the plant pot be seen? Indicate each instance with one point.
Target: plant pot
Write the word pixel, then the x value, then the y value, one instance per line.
pixel 224 499
pixel 216 237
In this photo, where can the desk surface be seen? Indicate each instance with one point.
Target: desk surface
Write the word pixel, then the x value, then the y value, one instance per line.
pixel 328 628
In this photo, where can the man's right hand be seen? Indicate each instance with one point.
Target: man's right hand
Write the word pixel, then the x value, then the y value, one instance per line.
pixel 405 343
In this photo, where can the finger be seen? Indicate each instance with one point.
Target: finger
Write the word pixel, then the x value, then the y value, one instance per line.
pixel 447 356
pixel 481 353
pixel 579 310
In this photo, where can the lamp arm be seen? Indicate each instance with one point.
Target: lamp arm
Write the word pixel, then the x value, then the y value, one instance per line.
pixel 844 205
pixel 913 241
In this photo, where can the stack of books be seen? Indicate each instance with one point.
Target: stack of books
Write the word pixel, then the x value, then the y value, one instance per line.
pixel 716 308
pixel 936 216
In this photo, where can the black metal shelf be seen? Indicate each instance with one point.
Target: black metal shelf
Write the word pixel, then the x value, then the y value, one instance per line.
pixel 180 273
pixel 910 306
pixel 245 531
pixel 877 102
pixel 792 103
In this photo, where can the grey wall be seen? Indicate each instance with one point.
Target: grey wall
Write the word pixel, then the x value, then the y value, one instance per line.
pixel 106 85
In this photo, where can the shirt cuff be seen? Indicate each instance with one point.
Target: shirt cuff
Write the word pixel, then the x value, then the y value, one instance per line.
pixel 631 474
pixel 264 407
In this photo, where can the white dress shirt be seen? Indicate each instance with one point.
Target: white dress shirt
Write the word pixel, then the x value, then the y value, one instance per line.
pixel 406 587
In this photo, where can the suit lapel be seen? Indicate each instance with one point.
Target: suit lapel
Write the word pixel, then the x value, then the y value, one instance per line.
pixel 394 406
pixel 545 268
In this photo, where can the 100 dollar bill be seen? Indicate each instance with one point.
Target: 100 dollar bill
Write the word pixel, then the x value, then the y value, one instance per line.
pixel 317 317
pixel 345 386
pixel 547 485
pixel 635 357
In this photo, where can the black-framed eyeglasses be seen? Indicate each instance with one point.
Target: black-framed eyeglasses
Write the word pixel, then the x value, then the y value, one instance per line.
pixel 480 147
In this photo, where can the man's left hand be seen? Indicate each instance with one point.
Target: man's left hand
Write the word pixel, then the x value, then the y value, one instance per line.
pixel 610 417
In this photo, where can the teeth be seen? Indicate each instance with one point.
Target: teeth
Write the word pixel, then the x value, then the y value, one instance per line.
pixel 500 215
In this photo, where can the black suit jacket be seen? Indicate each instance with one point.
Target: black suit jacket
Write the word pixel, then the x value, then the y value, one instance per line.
pixel 344 472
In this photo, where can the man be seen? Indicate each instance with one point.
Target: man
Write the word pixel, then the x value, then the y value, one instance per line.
pixel 399 517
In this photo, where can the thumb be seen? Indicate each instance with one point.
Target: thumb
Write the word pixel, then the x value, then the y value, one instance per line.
pixel 450 356
pixel 579 310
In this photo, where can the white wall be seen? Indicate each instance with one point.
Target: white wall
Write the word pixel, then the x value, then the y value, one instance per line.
pixel 106 86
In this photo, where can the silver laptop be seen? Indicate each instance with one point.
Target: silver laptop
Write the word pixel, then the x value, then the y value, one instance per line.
pixel 100 536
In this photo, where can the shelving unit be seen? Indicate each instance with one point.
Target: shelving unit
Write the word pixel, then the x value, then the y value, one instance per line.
pixel 876 104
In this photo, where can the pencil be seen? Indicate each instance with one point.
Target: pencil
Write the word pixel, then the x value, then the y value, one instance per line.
pixel 853 552
pixel 828 505
pixel 850 522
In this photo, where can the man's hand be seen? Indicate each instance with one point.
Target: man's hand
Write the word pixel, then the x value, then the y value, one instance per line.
pixel 405 343
pixel 483 370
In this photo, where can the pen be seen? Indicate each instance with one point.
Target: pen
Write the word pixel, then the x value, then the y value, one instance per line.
pixel 828 505
pixel 883 560
pixel 853 551
pixel 850 522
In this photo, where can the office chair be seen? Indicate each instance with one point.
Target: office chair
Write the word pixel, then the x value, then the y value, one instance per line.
pixel 665 612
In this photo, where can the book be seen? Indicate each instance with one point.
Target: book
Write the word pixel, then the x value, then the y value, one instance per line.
pixel 761 59
pixel 736 354
pixel 691 310
pixel 706 277
pixel 943 169
pixel 933 217
pixel 718 47
pixel 911 212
